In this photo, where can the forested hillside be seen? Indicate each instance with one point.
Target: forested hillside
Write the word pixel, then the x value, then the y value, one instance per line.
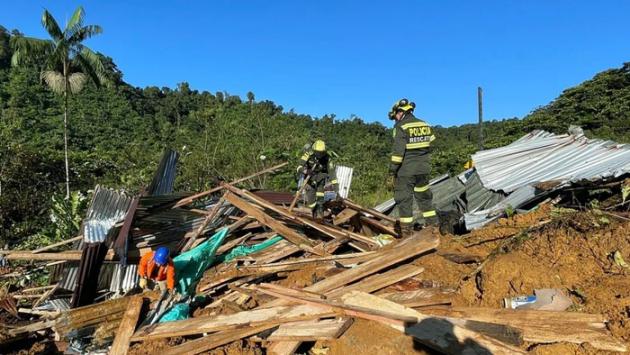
pixel 117 134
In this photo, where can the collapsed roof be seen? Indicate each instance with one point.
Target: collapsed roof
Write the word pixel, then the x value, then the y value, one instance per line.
pixel 525 171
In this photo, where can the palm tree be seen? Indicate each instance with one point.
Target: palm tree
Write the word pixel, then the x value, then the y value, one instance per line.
pixel 66 64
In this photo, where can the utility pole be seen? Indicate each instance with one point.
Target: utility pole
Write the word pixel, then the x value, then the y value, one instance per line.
pixel 480 104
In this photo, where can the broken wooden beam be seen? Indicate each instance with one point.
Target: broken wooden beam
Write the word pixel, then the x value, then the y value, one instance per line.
pixel 190 199
pixel 214 323
pixel 127 326
pixel 543 326
pixel 324 329
pixel 209 217
pixel 331 231
pixel 215 340
pixel 368 211
pixel 55 245
pixel 435 333
pixel 286 232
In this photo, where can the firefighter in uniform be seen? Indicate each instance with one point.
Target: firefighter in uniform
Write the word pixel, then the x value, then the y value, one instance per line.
pixel 410 165
pixel 315 165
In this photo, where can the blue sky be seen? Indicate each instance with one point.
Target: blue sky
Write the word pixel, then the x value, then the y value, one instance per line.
pixel 358 57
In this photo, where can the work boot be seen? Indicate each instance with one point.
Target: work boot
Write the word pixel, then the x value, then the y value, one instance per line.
pixel 432 221
pixel 406 230
pixel 318 212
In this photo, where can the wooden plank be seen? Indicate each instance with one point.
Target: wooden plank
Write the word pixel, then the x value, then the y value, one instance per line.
pixel 52 246
pixel 45 314
pixel 38 288
pixel 311 331
pixel 333 232
pixel 190 199
pixel 521 316
pixel 379 281
pixel 45 295
pixel 368 211
pixel 374 224
pixel 215 340
pixel 344 216
pixel 283 347
pixel 209 217
pixel 352 256
pixel 33 327
pixel 286 232
pixel 435 333
pixel 413 246
pixel 127 326
pixel 355 311
pixel 418 298
pixel 27 255
pixel 408 248
pixel 544 326
pixel 214 323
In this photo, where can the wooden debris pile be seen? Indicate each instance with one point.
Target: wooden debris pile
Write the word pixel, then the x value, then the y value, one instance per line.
pixel 310 286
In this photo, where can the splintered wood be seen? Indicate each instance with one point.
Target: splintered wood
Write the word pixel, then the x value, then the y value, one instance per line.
pixel 309 285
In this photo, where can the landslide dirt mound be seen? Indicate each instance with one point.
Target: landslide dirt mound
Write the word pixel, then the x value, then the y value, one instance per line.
pixel 367 337
pixel 548 248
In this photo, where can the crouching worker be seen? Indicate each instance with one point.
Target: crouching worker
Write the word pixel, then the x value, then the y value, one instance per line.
pixel 316 166
pixel 158 267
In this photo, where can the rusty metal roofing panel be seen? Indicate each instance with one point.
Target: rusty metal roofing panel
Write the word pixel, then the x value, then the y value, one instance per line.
pixel 344 179
pixel 542 156
pixel 164 178
pixel 275 197
pixel 107 208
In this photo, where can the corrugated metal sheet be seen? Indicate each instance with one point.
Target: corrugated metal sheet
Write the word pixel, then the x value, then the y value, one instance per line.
pixel 445 192
pixel 108 207
pixel 129 278
pixel 542 156
pixel 69 279
pixel 387 206
pixel 477 196
pixel 344 179
pixel 517 198
pixel 88 275
pixel 164 178
pixel 59 304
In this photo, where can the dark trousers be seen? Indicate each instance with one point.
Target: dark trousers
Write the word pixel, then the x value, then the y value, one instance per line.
pixel 314 191
pixel 408 187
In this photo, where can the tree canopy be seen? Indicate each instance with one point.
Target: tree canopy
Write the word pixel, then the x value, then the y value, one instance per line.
pixel 119 132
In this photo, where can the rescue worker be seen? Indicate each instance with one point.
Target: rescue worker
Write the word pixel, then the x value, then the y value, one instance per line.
pixel 157 266
pixel 410 165
pixel 315 163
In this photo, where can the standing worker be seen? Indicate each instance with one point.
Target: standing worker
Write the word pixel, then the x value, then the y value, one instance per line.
pixel 157 266
pixel 410 165
pixel 315 165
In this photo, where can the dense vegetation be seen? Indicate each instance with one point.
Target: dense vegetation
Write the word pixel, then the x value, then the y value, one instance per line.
pixel 117 134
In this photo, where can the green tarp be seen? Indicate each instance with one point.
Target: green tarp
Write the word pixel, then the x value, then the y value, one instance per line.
pixel 190 266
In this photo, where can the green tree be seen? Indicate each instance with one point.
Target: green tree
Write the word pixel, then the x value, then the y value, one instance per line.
pixel 66 64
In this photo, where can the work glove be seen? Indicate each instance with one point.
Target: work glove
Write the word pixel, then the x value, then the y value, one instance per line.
pixel 142 283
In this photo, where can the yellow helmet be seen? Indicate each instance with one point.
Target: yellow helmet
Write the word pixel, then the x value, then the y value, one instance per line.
pixel 319 146
pixel 401 105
